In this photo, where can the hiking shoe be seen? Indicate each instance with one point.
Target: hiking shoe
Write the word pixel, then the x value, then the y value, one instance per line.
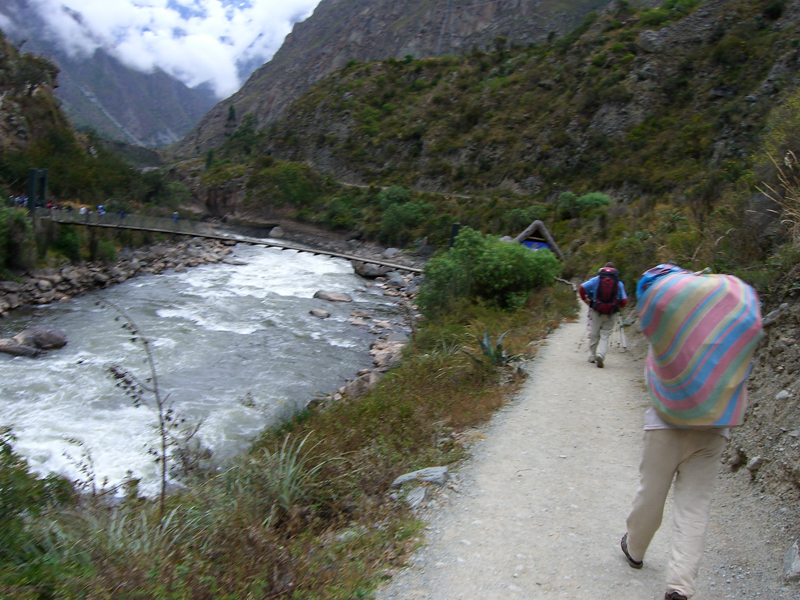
pixel 674 596
pixel 637 564
pixel 591 359
pixel 599 363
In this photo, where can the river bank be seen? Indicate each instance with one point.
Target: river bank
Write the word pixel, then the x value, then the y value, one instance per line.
pixel 60 284
pixel 49 285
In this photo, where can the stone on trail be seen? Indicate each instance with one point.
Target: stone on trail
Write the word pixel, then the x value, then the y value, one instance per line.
pixel 791 562
pixel 436 475
pixel 415 497
pixel 333 296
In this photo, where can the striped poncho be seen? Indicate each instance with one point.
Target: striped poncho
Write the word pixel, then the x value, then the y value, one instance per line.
pixel 702 331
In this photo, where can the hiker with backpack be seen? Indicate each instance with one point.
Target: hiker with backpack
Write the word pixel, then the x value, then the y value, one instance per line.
pixel 605 296
pixel 702 331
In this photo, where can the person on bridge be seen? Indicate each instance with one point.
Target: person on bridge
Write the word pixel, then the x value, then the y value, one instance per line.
pixel 702 331
pixel 605 296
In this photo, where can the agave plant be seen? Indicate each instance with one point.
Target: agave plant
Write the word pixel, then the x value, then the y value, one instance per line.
pixel 494 352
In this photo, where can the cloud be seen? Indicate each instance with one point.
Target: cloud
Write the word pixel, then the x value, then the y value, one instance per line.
pixel 197 41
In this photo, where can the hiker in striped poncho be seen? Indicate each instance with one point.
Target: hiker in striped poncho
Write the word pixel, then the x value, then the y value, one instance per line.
pixel 702 331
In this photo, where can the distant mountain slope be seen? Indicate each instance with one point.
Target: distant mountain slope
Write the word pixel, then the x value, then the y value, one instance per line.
pixel 649 103
pixel 101 93
pixel 364 30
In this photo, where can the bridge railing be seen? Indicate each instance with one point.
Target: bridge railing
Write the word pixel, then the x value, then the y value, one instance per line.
pixel 185 227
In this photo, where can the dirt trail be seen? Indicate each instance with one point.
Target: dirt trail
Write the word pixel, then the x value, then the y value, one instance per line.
pixel 538 512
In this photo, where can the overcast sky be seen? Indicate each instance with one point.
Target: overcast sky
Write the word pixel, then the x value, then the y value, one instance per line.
pixel 197 41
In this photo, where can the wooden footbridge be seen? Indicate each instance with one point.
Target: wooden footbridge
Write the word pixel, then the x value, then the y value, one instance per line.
pixel 198 229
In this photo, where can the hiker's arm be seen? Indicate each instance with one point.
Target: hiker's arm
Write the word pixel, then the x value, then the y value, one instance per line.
pixel 582 292
pixel 623 297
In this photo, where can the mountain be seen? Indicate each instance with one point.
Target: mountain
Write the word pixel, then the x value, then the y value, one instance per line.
pixel 672 114
pixel 341 31
pixel 646 103
pixel 101 93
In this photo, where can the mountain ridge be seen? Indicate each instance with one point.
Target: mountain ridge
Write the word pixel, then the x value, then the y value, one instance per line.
pixel 341 31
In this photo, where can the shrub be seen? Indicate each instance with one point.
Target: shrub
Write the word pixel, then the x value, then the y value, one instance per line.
pixel 392 195
pixel 68 243
pixel 22 496
pixel 340 214
pixel 16 240
pixel 774 10
pixel 571 206
pixel 591 201
pixel 484 268
pixel 287 183
pixel 398 219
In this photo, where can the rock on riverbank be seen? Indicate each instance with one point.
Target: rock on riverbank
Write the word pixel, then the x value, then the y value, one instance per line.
pixel 43 286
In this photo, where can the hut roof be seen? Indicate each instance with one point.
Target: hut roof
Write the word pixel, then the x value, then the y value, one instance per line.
pixel 539 227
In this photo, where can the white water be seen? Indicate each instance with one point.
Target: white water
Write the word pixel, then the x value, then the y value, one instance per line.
pixel 234 346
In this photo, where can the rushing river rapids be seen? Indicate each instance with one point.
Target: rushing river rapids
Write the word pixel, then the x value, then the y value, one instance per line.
pixel 235 347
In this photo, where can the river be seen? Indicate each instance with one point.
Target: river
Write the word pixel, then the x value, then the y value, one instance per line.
pixel 235 347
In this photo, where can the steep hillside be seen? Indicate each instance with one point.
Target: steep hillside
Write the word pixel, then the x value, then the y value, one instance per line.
pixel 669 112
pixel 617 106
pixel 101 93
pixel 27 106
pixel 365 30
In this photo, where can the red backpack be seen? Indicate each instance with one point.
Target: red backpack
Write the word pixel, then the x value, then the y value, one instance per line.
pixel 606 299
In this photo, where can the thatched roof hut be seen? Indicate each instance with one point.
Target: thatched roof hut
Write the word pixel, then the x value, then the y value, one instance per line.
pixel 536 236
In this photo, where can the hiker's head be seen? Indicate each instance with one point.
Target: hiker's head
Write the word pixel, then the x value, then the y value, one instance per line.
pixel 606 268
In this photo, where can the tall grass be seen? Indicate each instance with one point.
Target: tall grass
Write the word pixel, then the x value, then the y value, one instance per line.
pixel 788 197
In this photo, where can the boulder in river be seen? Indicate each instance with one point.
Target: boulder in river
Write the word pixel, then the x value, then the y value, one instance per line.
pixel 333 296
pixel 43 338
pixel 320 313
pixel 14 348
pixel 369 270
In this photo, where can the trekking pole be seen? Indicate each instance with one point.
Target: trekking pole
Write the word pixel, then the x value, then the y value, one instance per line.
pixel 622 333
pixel 588 327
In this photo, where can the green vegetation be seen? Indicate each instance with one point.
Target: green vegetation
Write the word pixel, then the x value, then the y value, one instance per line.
pixel 624 157
pixel 478 267
pixel 588 133
pixel 304 514
pixel 16 242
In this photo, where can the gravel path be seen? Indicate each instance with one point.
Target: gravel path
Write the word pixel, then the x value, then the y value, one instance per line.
pixel 538 512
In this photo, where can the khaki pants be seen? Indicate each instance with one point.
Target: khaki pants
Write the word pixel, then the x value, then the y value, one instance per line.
pixel 600 329
pixel 692 458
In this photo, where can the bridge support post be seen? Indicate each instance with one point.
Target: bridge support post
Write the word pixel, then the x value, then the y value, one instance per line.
pixel 37 188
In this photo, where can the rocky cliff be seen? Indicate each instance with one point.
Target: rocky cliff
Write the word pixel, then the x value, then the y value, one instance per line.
pixel 340 31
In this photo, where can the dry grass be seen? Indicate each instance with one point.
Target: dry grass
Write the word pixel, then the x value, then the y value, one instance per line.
pixel 788 197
